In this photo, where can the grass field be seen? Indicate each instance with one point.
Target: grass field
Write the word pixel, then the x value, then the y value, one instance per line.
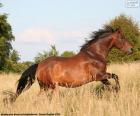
pixel 81 101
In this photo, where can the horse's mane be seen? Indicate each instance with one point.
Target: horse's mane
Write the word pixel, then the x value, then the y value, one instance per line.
pixel 101 33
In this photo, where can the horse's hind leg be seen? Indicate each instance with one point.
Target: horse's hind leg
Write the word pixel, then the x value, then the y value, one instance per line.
pixel 54 93
pixel 55 90
pixel 43 88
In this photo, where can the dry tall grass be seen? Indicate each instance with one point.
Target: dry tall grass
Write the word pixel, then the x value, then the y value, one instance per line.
pixel 80 101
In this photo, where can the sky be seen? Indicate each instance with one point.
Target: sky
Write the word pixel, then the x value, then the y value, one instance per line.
pixel 37 24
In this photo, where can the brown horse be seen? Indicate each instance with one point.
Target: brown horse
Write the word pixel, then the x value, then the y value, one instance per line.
pixel 86 66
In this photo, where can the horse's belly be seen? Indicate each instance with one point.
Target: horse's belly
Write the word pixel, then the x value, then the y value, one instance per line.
pixel 72 84
pixel 73 80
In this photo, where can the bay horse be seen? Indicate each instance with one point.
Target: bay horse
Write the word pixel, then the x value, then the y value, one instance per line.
pixel 86 66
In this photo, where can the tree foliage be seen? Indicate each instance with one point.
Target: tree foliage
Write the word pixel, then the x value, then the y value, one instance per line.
pixel 67 53
pixel 46 54
pixel 130 30
pixel 6 37
pixel 14 56
pixel 52 52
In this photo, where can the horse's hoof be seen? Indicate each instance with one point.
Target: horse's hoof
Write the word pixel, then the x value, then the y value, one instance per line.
pixel 114 76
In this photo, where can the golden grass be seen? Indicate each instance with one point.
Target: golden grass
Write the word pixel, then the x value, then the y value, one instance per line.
pixel 80 101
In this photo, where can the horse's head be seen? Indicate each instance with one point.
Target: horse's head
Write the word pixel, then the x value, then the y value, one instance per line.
pixel 121 42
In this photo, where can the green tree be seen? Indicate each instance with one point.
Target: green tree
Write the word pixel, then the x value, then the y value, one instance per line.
pixel 130 30
pixel 46 54
pixel 41 56
pixel 53 51
pixel 6 37
pixel 67 53
pixel 12 64
pixel 20 66
pixel 14 56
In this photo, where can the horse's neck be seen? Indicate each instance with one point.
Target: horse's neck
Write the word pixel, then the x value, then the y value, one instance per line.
pixel 102 47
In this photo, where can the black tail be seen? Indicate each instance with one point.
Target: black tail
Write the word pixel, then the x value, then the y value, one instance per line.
pixel 27 79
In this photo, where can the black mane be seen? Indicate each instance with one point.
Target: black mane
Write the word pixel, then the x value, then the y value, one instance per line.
pixel 101 33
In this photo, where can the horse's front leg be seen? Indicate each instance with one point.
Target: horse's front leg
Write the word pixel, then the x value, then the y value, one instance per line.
pixel 103 77
pixel 106 82
pixel 115 77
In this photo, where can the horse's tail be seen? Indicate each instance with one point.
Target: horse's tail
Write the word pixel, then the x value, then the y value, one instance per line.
pixel 26 80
